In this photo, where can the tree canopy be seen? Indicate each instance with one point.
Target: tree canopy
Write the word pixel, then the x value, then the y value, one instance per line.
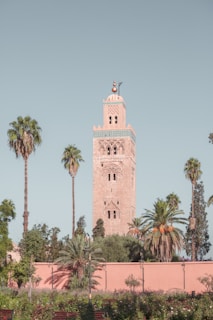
pixel 163 238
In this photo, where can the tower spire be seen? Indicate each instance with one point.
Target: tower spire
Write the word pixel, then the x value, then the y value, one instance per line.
pixel 116 87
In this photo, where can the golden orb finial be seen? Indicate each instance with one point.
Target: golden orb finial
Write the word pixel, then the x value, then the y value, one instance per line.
pixel 114 88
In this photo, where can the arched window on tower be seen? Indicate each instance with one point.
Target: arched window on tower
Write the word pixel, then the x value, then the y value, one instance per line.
pixel 110 120
pixel 115 150
pixel 114 176
pixel 108 150
pixel 116 119
pixel 108 214
pixel 109 177
pixel 114 214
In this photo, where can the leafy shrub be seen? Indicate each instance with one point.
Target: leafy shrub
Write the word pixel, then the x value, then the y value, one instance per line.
pixel 207 281
pixel 116 306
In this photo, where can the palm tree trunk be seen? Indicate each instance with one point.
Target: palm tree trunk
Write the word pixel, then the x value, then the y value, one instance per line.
pixel 26 213
pixel 193 225
pixel 73 205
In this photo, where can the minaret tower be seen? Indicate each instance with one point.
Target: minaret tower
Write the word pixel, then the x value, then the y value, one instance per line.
pixel 114 165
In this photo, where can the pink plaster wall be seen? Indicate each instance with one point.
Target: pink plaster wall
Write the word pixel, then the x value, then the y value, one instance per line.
pixel 168 277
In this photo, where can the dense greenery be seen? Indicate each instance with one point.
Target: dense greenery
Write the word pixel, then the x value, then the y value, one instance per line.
pixel 41 243
pixel 193 172
pixel 99 230
pixel 201 236
pixel 116 306
pixel 117 248
pixel 7 213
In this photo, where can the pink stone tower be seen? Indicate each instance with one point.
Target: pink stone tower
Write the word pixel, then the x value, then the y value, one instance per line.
pixel 114 166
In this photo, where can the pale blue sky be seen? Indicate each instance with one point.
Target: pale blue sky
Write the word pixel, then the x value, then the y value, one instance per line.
pixel 58 62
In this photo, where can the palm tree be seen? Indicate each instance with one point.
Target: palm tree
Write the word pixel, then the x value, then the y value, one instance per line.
pixel 24 136
pixel 193 173
pixel 78 254
pixel 162 237
pixel 173 201
pixel 71 159
pixel 135 227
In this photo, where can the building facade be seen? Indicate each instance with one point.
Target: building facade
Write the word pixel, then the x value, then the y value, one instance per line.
pixel 114 167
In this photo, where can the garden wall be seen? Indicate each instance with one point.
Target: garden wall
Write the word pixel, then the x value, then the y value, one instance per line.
pixel 168 277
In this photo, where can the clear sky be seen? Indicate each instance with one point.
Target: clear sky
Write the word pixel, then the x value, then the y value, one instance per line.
pixel 58 62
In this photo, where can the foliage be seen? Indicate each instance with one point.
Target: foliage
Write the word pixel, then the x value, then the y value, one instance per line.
pixel 207 281
pixel 98 230
pixel 173 201
pixel 7 213
pixel 81 225
pixel 24 136
pixel 4 275
pixel 114 248
pixel 22 271
pixel 132 282
pixel 71 159
pixel 116 306
pixel 42 243
pixel 82 257
pixel 200 234
pixel 192 170
pixel 162 237
pixel 135 227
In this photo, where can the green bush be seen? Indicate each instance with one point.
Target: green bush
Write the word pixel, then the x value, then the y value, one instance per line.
pixel 116 306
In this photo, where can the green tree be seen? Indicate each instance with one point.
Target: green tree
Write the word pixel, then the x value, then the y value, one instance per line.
pixel 163 238
pixel 71 159
pixel 121 248
pixel 193 173
pixel 24 136
pixel 132 282
pixel 210 200
pixel 201 235
pixel 42 243
pixel 78 255
pixel 98 230
pixel 55 244
pixel 114 248
pixel 33 244
pixel 7 213
pixel 22 271
pixel 81 225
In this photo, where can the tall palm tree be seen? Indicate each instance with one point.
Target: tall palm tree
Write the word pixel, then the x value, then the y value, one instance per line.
pixel 71 159
pixel 193 173
pixel 163 238
pixel 24 136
